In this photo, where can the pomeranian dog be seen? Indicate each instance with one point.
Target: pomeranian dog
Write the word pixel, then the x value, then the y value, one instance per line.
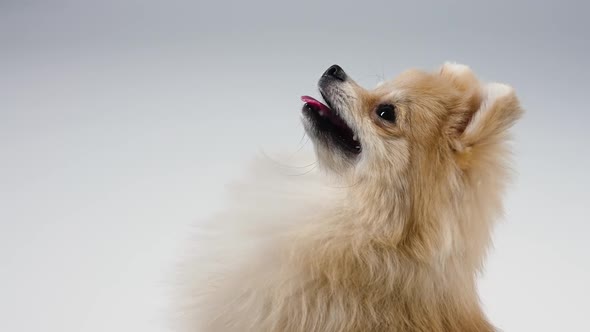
pixel 390 235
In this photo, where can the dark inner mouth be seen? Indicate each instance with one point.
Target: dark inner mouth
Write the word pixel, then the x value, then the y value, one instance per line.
pixel 328 122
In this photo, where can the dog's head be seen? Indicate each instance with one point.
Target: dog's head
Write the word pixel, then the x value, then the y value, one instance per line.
pixel 427 150
pixel 418 120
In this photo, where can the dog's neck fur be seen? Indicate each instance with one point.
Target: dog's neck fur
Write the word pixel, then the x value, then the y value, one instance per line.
pixel 422 266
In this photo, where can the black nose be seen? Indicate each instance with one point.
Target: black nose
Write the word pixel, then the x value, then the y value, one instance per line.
pixel 335 72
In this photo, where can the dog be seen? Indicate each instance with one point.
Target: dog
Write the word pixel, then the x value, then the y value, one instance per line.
pixel 389 235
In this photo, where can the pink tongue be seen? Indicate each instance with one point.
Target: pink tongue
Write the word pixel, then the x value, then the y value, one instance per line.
pixel 314 102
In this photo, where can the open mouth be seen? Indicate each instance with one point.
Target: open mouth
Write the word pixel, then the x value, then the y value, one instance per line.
pixel 329 125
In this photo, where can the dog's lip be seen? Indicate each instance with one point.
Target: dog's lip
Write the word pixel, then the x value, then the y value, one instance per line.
pixel 344 132
pixel 324 110
pixel 314 103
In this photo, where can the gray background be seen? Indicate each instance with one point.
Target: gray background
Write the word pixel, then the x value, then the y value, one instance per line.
pixel 120 122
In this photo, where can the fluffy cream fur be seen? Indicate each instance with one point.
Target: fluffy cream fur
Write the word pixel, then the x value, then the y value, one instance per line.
pixel 390 242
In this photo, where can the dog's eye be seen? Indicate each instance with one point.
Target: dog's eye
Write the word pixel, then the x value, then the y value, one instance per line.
pixel 386 112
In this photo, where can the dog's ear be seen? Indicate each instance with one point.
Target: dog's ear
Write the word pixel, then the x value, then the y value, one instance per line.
pixel 467 98
pixel 498 111
pixel 461 76
pixel 483 113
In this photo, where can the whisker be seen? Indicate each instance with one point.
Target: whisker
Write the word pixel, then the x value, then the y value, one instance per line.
pixel 345 187
pixel 301 146
pixel 302 138
pixel 305 173
pixel 278 163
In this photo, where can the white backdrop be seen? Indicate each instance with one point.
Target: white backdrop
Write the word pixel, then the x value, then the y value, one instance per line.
pixel 121 121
